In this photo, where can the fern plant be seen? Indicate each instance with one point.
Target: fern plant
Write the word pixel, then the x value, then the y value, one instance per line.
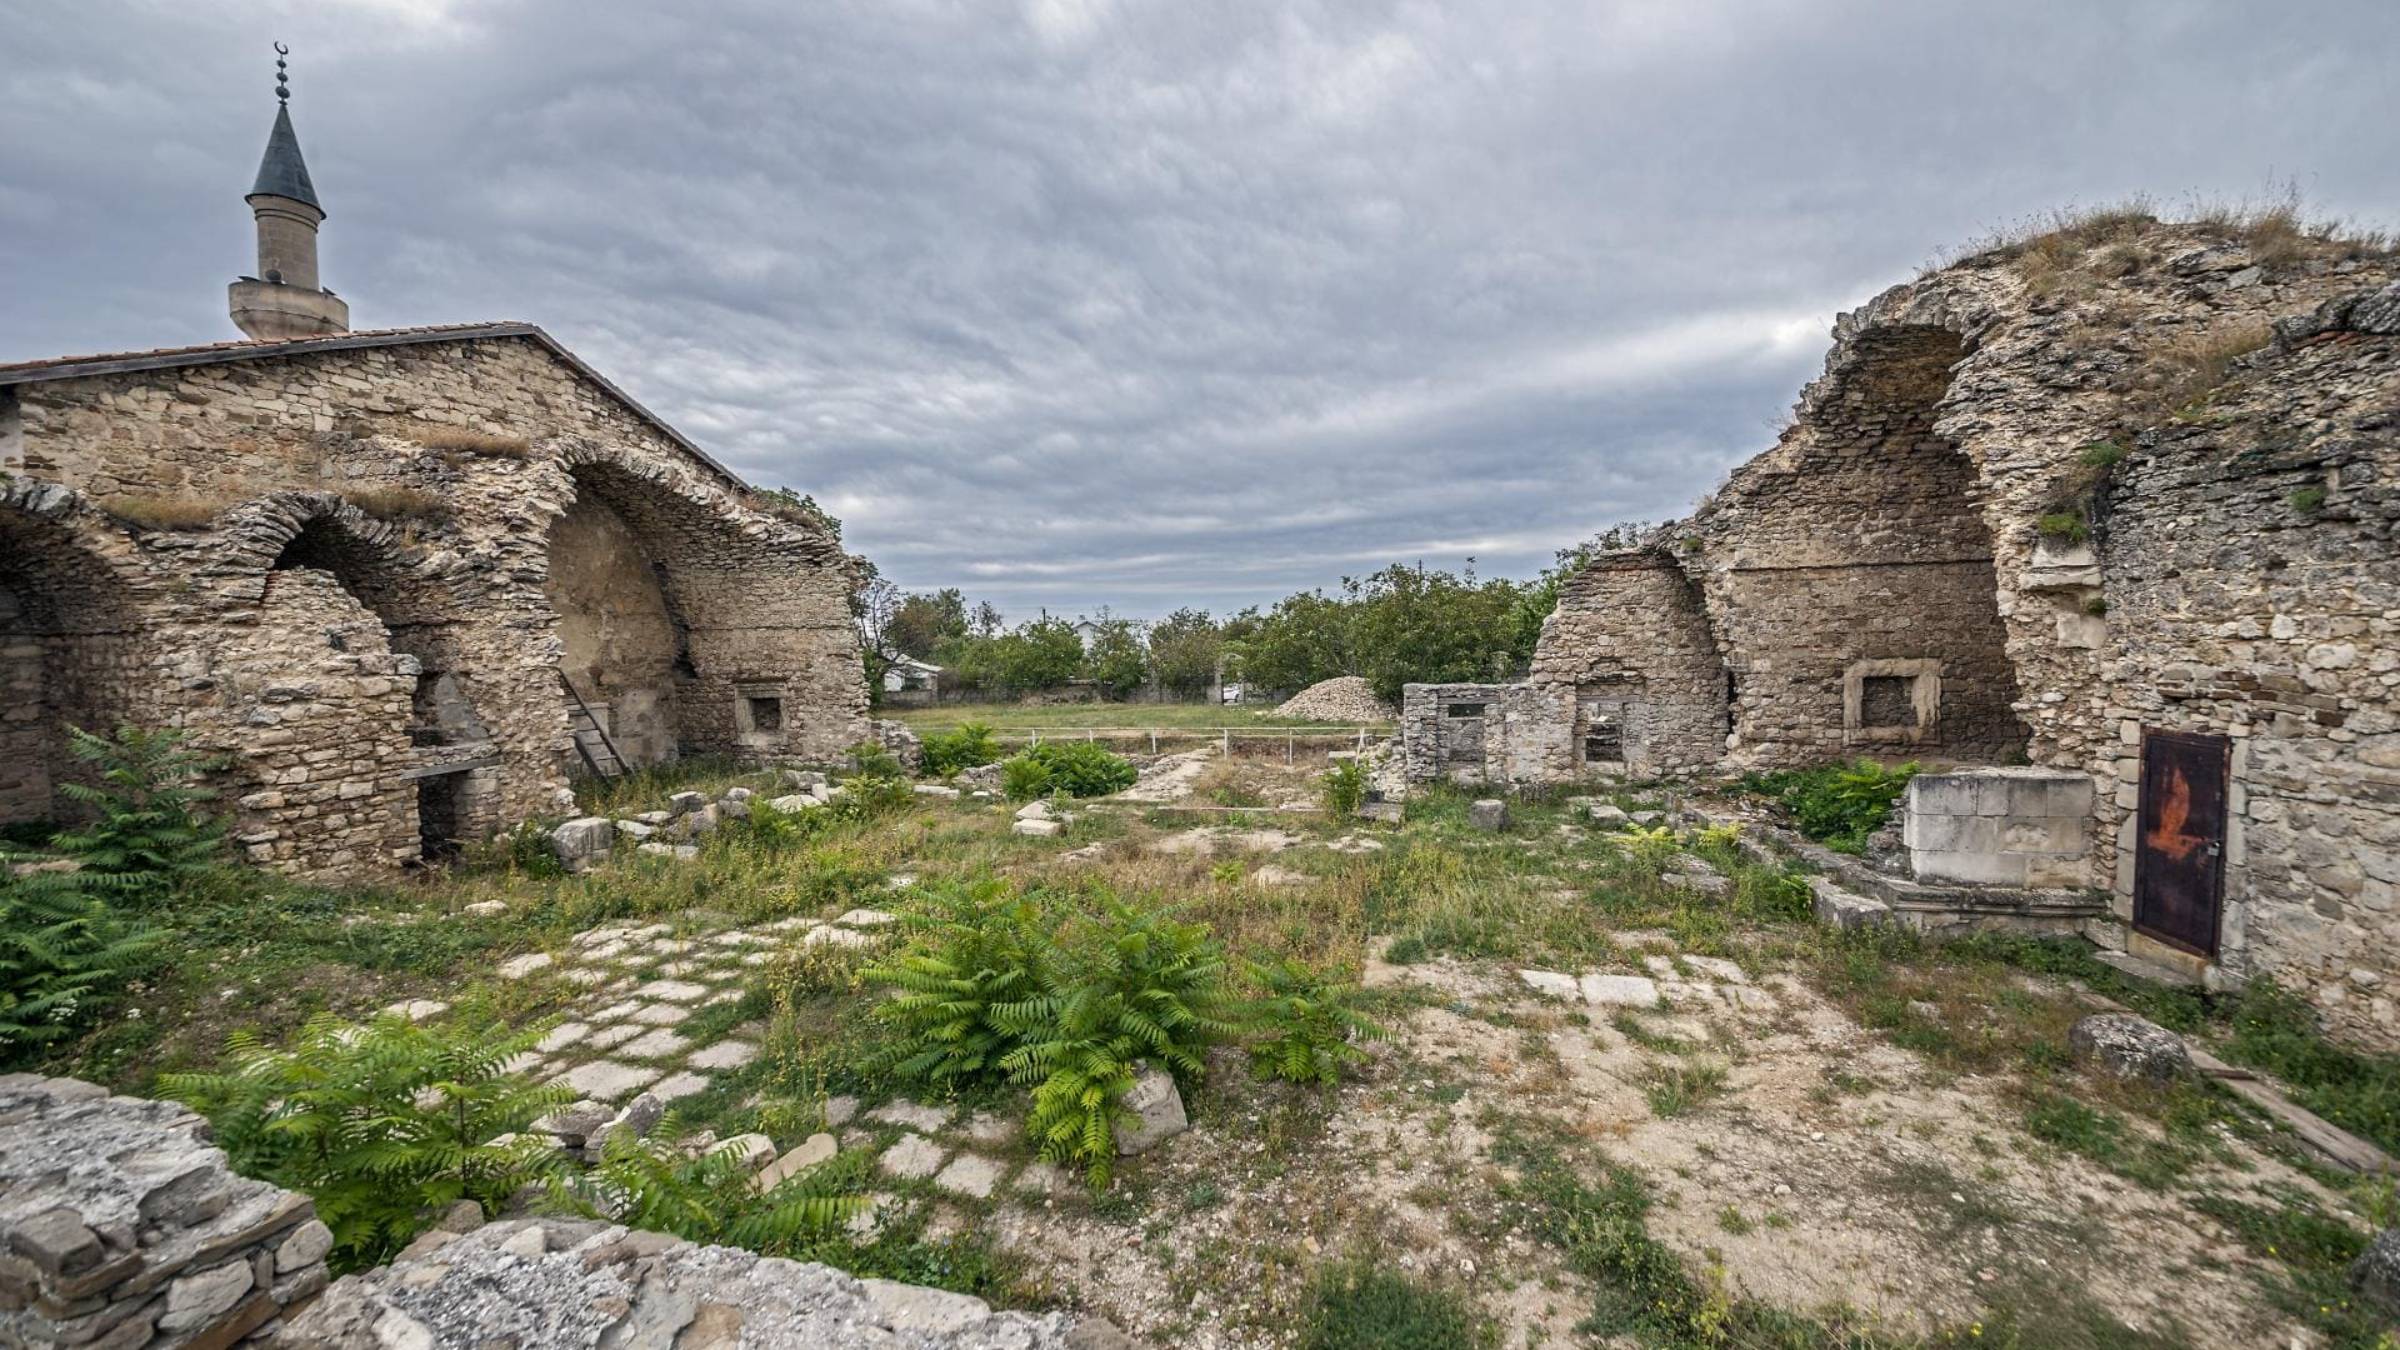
pixel 1309 1026
pixel 970 950
pixel 1135 986
pixel 148 804
pixel 659 1187
pixel 64 950
pixel 384 1125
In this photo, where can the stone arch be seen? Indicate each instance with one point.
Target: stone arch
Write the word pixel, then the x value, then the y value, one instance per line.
pixel 691 622
pixel 1851 571
pixel 75 646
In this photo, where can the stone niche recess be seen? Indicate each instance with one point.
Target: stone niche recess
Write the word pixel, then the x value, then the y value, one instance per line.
pixel 383 575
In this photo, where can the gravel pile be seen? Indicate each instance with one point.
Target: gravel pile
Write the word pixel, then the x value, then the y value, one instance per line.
pixel 1345 698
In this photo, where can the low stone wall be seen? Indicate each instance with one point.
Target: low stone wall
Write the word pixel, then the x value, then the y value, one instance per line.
pixel 1495 734
pixel 567 1283
pixel 1999 827
pixel 121 1227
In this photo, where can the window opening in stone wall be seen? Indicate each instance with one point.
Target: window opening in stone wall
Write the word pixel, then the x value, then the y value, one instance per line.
pixel 1462 710
pixel 1603 741
pixel 766 714
pixel 1887 701
pixel 439 830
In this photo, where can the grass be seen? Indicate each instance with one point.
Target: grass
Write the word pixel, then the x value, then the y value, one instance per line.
pixel 397 503
pixel 1007 717
pixel 165 513
pixel 1372 1307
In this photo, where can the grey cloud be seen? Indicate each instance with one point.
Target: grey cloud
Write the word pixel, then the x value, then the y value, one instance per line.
pixel 1146 302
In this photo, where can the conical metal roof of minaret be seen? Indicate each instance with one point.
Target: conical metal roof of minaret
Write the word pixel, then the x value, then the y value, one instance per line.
pixel 281 171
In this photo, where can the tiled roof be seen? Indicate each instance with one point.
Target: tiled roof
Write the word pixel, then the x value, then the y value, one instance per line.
pixel 251 349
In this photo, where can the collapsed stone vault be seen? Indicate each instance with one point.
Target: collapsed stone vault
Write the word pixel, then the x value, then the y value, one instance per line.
pixel 2131 532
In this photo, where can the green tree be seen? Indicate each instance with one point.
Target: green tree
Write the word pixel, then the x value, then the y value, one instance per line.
pixel 150 824
pixel 1116 661
pixel 1413 624
pixel 923 622
pixel 1043 654
pixel 1183 651
pixel 1307 637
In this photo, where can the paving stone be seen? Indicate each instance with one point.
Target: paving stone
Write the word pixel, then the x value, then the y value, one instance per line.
pixel 678 1085
pixel 1549 982
pixel 518 967
pixel 585 976
pixel 836 937
pixel 679 969
pixel 1619 991
pixel 607 950
pixel 615 1012
pixel 840 1111
pixel 661 1014
pixel 1718 968
pixel 487 909
pixel 724 1055
pixel 970 1174
pixel 818 1148
pixel 662 1043
pixel 418 1009
pixel 1661 967
pixel 786 925
pixel 913 1156
pixel 608 1038
pixel 989 1127
pixel 867 918
pixel 671 991
pixel 914 1115
pixel 561 1036
pixel 880 1210
pixel 1748 997
pixel 1044 1178
pixel 606 1080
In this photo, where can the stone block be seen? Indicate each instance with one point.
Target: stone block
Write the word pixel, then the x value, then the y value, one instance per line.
pixel 2130 1047
pixel 1156 1112
pixel 582 840
pixel 1039 829
pixel 817 1148
pixel 753 1151
pixel 1974 869
pixel 1840 908
pixel 915 1156
pixel 1550 982
pixel 970 1174
pixel 1619 991
pixel 1490 814
pixel 1941 794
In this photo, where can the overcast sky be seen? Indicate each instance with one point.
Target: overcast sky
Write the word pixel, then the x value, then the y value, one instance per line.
pixel 1139 303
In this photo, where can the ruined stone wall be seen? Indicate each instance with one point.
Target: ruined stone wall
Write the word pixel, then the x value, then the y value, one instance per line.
pixel 2251 561
pixel 121 1226
pixel 1481 733
pixel 1850 574
pixel 427 480
pixel 1630 643
pixel 621 642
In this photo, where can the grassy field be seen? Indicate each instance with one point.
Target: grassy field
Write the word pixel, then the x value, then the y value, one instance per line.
pixel 1629 1166
pixel 1131 716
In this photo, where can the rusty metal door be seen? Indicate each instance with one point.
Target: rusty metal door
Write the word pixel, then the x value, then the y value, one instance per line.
pixel 2179 854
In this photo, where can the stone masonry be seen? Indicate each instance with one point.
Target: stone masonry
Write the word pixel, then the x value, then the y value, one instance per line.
pixel 1891 580
pixel 120 1226
pixel 359 566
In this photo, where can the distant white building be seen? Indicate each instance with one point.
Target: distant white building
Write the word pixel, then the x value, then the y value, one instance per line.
pixel 908 675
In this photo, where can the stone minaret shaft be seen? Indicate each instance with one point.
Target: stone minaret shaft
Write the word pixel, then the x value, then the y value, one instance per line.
pixel 284 299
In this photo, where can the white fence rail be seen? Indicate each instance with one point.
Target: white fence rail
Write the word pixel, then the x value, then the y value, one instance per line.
pixel 1226 737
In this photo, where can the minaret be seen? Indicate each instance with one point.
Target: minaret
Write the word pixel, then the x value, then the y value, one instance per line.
pixel 284 300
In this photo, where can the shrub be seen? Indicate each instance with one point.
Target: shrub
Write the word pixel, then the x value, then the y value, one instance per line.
pixel 525 850
pixel 384 1125
pixel 1343 789
pixel 655 1186
pixel 966 746
pixel 64 951
pixel 995 985
pixel 970 949
pixel 1135 986
pixel 2308 500
pixel 150 824
pixel 1077 768
pixel 1309 1025
pixel 1363 1307
pixel 871 760
pixel 1838 805
pixel 2067 527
